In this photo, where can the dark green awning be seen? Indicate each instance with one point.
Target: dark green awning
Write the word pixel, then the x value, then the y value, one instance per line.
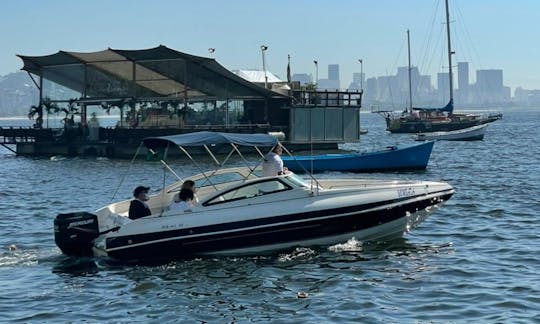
pixel 154 72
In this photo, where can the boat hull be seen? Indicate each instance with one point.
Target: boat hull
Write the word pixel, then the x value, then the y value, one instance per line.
pixel 367 222
pixel 415 157
pixel 475 133
pixel 406 125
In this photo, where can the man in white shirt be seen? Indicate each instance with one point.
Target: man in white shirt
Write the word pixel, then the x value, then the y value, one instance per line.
pixel 272 164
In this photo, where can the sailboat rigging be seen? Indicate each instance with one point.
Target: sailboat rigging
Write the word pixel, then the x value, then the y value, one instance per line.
pixel 418 120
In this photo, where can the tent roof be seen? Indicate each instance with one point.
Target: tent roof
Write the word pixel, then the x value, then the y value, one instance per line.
pixel 153 72
pixel 257 76
pixel 211 138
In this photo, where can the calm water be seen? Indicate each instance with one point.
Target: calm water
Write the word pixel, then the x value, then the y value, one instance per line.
pixel 476 259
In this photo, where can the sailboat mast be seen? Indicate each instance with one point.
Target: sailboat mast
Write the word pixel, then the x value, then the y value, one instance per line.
pixel 410 83
pixel 450 78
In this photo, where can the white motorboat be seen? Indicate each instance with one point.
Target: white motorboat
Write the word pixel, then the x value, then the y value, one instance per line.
pixel 475 133
pixel 241 213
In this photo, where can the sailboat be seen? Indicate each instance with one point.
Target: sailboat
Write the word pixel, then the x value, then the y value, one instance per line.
pixel 419 120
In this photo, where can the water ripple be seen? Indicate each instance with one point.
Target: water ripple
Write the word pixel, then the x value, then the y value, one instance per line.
pixel 475 259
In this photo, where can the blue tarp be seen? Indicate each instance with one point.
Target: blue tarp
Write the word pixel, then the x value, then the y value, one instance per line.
pixel 448 108
pixel 210 138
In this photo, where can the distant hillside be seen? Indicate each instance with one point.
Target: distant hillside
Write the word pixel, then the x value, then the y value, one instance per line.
pixel 17 94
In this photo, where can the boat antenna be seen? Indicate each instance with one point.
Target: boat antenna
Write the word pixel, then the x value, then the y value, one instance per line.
pixel 311 149
pixel 410 82
pixel 163 190
pixel 450 78
pixel 301 166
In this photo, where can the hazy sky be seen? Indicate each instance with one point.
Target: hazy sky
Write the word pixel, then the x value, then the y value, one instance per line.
pixel 498 34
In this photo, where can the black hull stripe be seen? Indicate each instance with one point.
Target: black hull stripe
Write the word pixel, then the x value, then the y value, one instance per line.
pixel 310 229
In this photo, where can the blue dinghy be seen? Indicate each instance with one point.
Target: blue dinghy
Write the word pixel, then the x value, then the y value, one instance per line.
pixel 413 157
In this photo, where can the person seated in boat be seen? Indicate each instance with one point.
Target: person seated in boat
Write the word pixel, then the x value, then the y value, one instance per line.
pixel 273 164
pixel 183 201
pixel 138 207
pixel 190 184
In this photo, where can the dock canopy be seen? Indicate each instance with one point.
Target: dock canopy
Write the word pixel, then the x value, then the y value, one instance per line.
pixel 210 138
pixel 159 72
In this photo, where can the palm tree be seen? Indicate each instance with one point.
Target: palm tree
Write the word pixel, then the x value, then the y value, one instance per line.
pixel 50 107
pixel 36 110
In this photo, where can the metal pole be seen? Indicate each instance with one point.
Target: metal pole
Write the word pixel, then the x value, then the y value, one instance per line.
pixel 263 50
pixel 449 54
pixel 316 73
pixel 410 83
pixel 361 74
pixel 84 111
pixel 40 105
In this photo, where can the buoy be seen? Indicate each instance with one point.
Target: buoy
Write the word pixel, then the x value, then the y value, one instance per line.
pixel 12 247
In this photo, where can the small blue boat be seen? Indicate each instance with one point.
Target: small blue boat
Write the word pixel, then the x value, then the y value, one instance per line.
pixel 413 157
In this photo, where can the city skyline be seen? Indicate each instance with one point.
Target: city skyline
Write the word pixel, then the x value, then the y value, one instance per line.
pixel 331 34
pixel 487 87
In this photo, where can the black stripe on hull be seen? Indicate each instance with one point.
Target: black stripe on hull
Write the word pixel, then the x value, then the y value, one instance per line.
pixel 180 247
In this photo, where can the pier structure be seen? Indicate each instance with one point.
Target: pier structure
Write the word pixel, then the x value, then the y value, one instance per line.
pixel 161 91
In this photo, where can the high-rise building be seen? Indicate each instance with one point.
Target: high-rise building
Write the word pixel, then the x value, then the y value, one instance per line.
pixel 357 81
pixel 403 77
pixel 463 75
pixel 370 91
pixel 333 71
pixel 358 77
pixel 443 86
pixel 489 87
pixel 303 78
pixel 333 77
pixel 489 80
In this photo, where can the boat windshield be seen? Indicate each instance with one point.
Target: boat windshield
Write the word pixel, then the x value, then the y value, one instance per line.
pixel 297 180
pixel 219 179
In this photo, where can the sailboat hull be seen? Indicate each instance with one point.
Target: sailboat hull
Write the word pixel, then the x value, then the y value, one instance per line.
pixel 415 125
pixel 422 120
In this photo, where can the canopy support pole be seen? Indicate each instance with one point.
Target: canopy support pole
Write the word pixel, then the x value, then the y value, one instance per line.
pixel 219 164
pixel 299 164
pixel 260 161
pixel 243 158
pixel 212 155
pixel 198 166
pixel 33 80
pixel 127 172
pixel 167 166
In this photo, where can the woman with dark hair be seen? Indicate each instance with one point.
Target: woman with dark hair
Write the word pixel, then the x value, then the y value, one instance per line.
pixel 182 201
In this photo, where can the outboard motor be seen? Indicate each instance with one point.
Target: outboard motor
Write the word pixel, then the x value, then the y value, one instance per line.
pixel 74 233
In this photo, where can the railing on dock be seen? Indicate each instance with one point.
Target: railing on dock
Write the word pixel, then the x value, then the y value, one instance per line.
pixel 14 135
pixel 318 98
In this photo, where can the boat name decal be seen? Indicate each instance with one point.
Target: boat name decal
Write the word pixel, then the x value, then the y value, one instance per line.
pixel 406 192
pixel 172 226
